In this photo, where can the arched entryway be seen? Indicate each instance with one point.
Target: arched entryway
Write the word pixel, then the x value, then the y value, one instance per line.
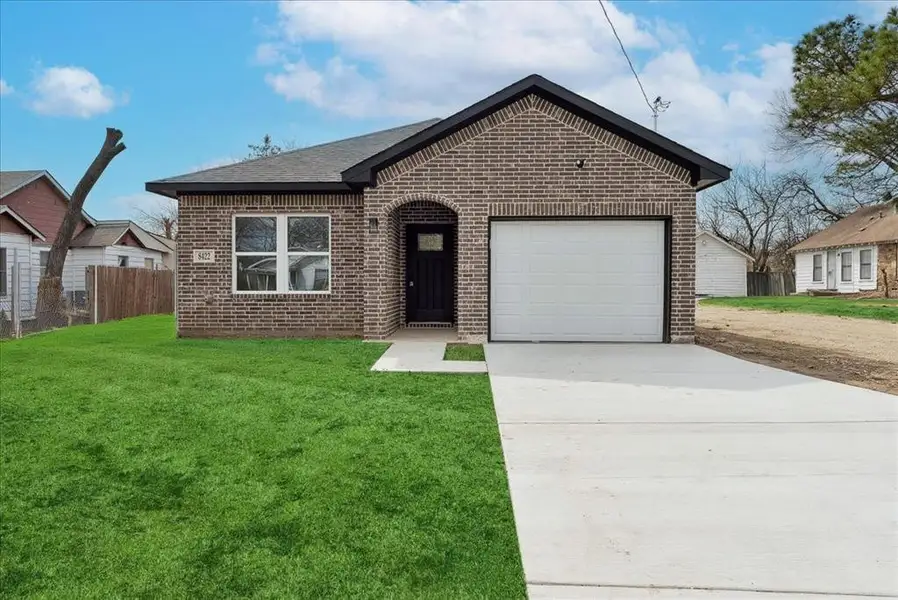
pixel 422 265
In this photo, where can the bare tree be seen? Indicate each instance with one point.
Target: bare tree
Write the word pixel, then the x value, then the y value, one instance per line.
pixel 160 218
pixel 752 211
pixel 50 286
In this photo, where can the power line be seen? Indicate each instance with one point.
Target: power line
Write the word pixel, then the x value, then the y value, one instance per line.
pixel 659 105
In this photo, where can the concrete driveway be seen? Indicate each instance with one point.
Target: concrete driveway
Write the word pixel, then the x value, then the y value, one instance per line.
pixel 664 471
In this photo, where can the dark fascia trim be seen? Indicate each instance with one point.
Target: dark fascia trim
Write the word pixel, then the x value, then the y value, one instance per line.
pixel 705 172
pixel 174 189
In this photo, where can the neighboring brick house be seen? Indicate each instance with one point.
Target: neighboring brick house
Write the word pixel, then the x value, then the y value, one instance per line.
pixel 534 214
pixel 32 208
pixel 856 254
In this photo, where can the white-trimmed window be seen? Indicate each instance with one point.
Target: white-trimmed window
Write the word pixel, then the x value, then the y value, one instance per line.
pixel 288 253
pixel 866 264
pixel 817 275
pixel 122 260
pixel 846 266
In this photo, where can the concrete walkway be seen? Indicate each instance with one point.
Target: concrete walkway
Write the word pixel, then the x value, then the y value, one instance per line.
pixel 660 471
pixel 423 357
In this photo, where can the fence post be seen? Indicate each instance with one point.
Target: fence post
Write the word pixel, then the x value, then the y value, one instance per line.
pixel 95 299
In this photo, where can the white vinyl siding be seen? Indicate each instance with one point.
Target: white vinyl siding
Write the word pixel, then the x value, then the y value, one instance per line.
pixel 587 281
pixel 18 251
pixel 136 256
pixel 804 270
pixel 719 270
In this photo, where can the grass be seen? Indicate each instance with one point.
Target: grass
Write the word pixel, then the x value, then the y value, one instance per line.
pixel 138 465
pixel 464 352
pixel 882 309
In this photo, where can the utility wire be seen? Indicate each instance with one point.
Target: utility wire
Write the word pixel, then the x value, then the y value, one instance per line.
pixel 629 62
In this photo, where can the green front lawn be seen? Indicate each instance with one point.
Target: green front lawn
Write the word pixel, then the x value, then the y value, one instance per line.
pixel 464 352
pixel 138 465
pixel 866 308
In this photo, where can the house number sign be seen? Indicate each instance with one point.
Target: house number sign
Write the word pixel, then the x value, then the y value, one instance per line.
pixel 204 256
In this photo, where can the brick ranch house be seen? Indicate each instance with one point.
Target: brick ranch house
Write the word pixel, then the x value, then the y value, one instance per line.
pixel 534 214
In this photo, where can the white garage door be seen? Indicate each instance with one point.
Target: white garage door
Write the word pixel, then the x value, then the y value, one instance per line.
pixel 596 281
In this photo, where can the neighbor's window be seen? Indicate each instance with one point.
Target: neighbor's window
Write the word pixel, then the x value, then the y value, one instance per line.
pixel 148 263
pixel 818 267
pixel 122 260
pixel 846 266
pixel 866 264
pixel 45 257
pixel 2 271
pixel 282 253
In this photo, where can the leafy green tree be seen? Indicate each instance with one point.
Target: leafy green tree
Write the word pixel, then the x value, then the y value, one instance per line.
pixel 844 101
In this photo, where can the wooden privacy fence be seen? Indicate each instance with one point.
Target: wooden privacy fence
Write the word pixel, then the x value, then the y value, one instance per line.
pixel 120 292
pixel 770 284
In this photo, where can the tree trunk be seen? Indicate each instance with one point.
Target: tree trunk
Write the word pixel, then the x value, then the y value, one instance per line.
pixel 49 291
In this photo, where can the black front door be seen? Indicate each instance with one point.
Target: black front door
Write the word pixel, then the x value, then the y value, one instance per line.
pixel 429 276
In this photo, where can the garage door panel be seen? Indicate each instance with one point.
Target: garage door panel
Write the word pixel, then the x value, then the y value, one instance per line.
pixel 577 280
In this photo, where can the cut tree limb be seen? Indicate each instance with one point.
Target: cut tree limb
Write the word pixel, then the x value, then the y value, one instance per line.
pixel 49 292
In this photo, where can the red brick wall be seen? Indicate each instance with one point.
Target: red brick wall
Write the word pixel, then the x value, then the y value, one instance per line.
pixel 521 161
pixel 41 204
pixel 10 225
pixel 208 307
pixel 887 270
pixel 129 240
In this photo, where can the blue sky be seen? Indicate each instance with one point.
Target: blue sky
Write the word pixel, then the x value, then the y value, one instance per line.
pixel 192 83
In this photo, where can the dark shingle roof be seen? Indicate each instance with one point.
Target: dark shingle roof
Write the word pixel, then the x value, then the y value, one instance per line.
pixel 316 164
pixel 103 234
pixel 12 180
pixel 107 233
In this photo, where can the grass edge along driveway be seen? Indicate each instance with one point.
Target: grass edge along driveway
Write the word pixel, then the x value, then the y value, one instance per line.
pixel 883 309
pixel 138 464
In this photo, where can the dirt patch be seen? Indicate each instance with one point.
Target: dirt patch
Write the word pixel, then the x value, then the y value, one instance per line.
pixel 858 352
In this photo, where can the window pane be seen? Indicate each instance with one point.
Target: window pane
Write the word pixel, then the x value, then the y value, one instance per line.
pixel 430 242
pixel 255 234
pixel 866 264
pixel 309 273
pixel 148 263
pixel 256 273
pixel 123 261
pixel 308 234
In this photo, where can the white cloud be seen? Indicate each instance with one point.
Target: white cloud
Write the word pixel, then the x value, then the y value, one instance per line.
pixel 268 54
pixel 5 88
pixel 419 60
pixel 875 9
pixel 72 92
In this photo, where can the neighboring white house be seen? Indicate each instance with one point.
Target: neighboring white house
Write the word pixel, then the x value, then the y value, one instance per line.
pixel 856 254
pixel 16 235
pixel 720 268
pixel 33 207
